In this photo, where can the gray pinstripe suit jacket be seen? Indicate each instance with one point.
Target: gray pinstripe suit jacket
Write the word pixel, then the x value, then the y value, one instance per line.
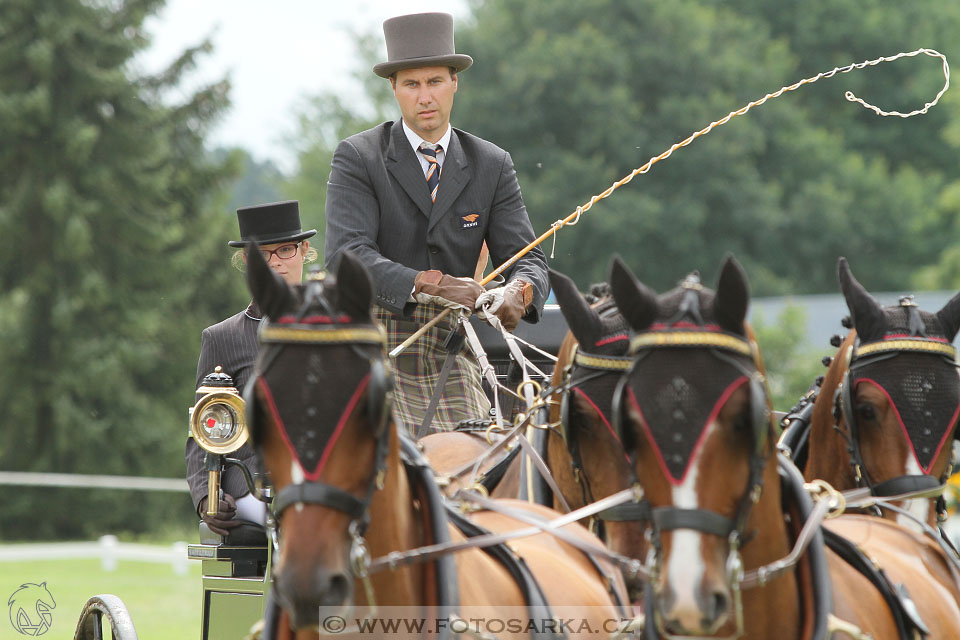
pixel 232 344
pixel 379 207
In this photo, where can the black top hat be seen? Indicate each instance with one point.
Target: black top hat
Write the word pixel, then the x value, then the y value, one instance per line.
pixel 420 40
pixel 271 223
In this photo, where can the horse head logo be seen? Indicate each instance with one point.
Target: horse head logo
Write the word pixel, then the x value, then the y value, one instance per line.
pixel 30 609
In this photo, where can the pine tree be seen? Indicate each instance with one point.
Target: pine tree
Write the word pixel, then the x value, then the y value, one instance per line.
pixel 109 233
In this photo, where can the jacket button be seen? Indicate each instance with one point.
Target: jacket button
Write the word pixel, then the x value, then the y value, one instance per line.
pixel 434 250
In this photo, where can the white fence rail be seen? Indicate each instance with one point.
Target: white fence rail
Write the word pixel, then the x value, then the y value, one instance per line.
pixel 87 481
pixel 107 549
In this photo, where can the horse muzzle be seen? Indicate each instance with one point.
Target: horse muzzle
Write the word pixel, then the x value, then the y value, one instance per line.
pixel 304 593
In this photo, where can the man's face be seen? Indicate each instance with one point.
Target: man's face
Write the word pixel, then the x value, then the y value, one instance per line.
pixel 425 96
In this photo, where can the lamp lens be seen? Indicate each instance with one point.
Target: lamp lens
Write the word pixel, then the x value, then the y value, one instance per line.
pixel 220 422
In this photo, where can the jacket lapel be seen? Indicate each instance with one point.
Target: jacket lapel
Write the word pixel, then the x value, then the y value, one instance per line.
pixel 453 179
pixel 405 167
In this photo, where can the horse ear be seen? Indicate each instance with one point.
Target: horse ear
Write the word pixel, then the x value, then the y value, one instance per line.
pixel 270 291
pixel 949 317
pixel 354 288
pixel 583 321
pixel 732 298
pixel 865 311
pixel 636 302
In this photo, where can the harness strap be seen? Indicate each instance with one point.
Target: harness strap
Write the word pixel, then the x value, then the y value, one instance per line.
pixel 912 484
pixel 669 518
pixel 627 512
pixel 445 567
pixel 317 493
pixel 541 466
pixel 423 554
pixel 589 550
pixel 537 604
pixel 849 552
pixel 486 369
pixel 448 361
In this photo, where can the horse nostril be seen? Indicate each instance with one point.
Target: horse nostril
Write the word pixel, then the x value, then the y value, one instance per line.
pixel 337 591
pixel 717 606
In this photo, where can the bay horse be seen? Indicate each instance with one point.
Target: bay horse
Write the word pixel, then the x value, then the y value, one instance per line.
pixel 349 485
pixel 694 415
pixel 580 450
pixel 886 413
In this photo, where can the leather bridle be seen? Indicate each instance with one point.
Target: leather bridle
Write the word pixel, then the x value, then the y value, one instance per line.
pixel 858 356
pixel 586 367
pixel 325 330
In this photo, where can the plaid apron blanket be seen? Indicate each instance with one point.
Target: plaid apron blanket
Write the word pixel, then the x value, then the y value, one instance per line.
pixel 417 370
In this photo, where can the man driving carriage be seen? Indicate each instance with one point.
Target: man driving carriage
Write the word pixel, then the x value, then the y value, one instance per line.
pixel 417 200
pixel 232 345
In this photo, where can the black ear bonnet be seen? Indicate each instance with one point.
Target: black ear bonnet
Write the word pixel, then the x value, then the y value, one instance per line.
pixel 686 366
pixel 322 336
pixel 910 359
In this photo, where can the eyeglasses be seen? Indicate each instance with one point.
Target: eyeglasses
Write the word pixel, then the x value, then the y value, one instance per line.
pixel 284 252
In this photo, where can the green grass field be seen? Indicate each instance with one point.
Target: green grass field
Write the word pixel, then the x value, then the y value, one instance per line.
pixel 163 605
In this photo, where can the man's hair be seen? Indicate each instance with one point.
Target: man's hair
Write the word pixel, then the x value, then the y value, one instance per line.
pixel 393 76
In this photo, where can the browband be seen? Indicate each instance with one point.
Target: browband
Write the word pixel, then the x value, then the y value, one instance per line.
pixel 908 344
pixel 603 363
pixel 314 334
pixel 653 339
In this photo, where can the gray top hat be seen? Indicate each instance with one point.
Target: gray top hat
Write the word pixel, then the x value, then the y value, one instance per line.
pixel 420 40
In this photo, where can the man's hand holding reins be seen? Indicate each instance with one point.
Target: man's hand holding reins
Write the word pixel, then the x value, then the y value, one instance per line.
pixel 508 303
pixel 448 291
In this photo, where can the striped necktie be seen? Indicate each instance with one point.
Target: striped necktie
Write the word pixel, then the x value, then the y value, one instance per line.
pixel 434 170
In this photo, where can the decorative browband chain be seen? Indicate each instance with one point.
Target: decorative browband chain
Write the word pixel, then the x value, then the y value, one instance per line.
pixel 908 344
pixel 603 363
pixel 315 334
pixel 653 339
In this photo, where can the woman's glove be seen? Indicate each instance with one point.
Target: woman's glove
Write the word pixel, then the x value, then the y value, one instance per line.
pixel 224 518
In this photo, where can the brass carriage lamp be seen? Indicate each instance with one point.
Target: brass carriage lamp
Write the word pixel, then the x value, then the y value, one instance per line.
pixel 218 424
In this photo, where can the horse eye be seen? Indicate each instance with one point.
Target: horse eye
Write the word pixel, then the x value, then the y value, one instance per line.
pixel 866 412
pixel 742 423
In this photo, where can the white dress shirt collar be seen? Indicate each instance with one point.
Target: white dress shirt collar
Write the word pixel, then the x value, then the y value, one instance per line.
pixel 416 141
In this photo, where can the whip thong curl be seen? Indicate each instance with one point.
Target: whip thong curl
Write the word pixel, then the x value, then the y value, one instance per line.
pixel 574 217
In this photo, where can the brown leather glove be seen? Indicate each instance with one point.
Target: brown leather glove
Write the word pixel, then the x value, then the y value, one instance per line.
pixel 224 520
pixel 508 303
pixel 455 293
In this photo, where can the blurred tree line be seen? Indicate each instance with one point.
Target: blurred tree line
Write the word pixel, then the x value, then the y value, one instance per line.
pixel 114 212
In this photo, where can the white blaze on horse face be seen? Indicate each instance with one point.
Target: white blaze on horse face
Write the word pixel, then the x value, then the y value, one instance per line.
pixel 684 568
pixel 296 477
pixel 918 507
